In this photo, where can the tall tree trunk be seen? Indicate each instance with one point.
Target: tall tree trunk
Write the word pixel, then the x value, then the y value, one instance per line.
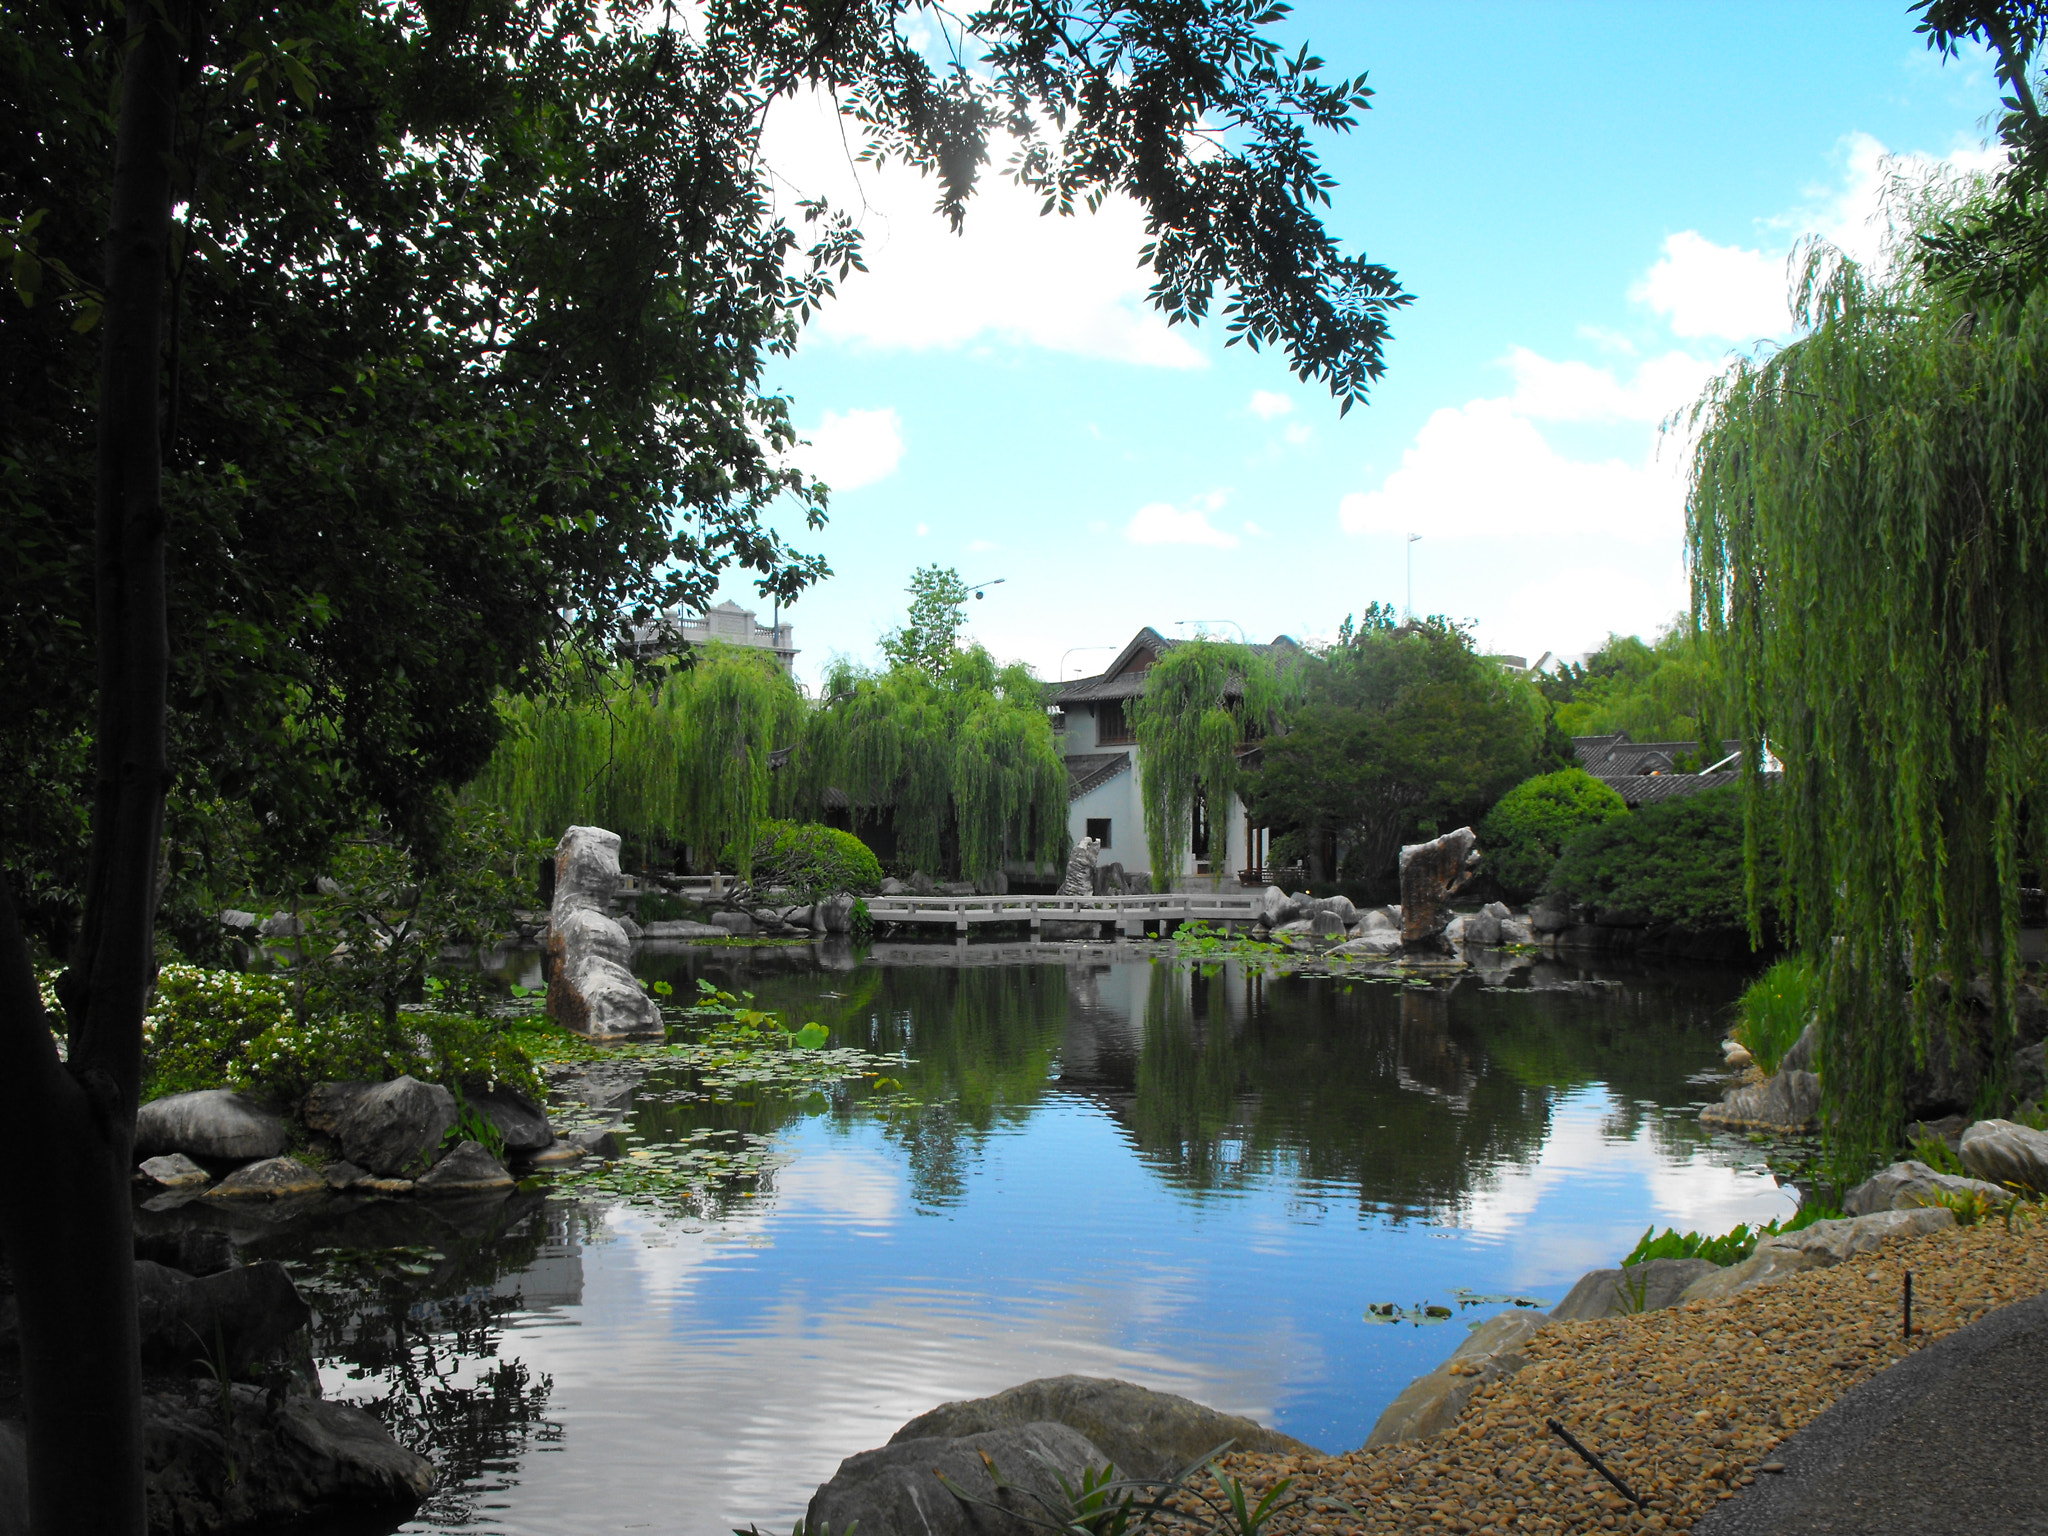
pixel 68 1229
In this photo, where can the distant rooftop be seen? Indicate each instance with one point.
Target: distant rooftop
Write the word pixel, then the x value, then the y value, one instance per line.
pixel 729 623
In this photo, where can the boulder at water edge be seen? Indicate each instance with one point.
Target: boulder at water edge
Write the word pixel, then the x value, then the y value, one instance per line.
pixel 387 1128
pixel 1145 1433
pixel 520 1122
pixel 248 1314
pixel 1820 1246
pixel 275 1178
pixel 1909 1185
pixel 173 1170
pixel 590 988
pixel 467 1170
pixel 1788 1101
pixel 1431 873
pixel 897 1489
pixel 216 1124
pixel 1372 943
pixel 2003 1152
pixel 1645 1287
pixel 1430 1404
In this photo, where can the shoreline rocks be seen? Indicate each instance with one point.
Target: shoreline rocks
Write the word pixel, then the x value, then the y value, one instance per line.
pixel 1788 1101
pixel 211 1124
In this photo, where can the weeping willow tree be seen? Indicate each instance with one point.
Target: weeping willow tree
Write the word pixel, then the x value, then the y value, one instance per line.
pixel 1203 701
pixel 964 758
pixel 677 751
pixel 1868 529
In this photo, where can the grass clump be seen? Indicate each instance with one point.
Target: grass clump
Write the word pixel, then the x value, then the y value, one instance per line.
pixel 1772 1014
pixel 1730 1247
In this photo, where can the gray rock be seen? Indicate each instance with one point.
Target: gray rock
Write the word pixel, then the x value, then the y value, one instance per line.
pixel 1375 920
pixel 467 1170
pixel 236 921
pixel 250 1313
pixel 275 1178
pixel 1517 930
pixel 734 924
pixel 562 1154
pixel 213 1123
pixel 1277 907
pixel 598 1143
pixel 521 1122
pixel 1909 1185
pixel 837 912
pixel 892 887
pixel 293 1459
pixel 1147 1434
pixel 1327 925
pixel 1498 909
pixel 1431 873
pixel 922 884
pixel 897 1491
pixel 1079 879
pixel 173 1170
pixel 1787 1101
pixel 1820 1246
pixel 2003 1152
pixel 591 990
pixel 343 1175
pixel 1430 1404
pixel 2030 1072
pixel 1483 929
pixel 1804 1053
pixel 682 928
pixel 281 925
pixel 1645 1287
pixel 387 1128
pixel 1373 942
pixel 1550 914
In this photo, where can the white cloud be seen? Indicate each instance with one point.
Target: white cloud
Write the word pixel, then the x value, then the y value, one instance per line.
pixel 1704 289
pixel 1266 404
pixel 979 547
pixel 1572 610
pixel 1065 284
pixel 1255 530
pixel 1548 390
pixel 923 529
pixel 1158 522
pixel 1297 432
pixel 852 450
pixel 1484 471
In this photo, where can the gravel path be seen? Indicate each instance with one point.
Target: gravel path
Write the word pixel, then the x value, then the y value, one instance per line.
pixel 1687 1405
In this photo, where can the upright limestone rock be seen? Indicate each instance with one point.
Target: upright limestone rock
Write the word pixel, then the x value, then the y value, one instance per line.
pixel 590 988
pixel 1080 880
pixel 1431 874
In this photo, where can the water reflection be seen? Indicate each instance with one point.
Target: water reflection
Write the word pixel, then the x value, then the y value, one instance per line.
pixel 1195 1178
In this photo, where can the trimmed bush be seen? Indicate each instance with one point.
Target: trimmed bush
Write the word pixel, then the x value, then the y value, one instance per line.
pixel 1529 826
pixel 813 860
pixel 1676 862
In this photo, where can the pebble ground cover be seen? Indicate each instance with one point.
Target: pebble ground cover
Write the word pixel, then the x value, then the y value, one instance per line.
pixel 1686 1404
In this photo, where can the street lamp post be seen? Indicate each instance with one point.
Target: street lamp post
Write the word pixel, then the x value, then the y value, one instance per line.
pixel 1413 539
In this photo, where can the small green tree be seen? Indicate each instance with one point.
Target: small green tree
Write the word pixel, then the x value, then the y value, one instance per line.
pixel 1203 702
pixel 1529 826
pixel 938 609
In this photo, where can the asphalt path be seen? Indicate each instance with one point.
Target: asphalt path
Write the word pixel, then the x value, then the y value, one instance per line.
pixel 1952 1441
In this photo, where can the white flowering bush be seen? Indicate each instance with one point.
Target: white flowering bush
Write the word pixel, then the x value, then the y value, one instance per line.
pixel 200 1023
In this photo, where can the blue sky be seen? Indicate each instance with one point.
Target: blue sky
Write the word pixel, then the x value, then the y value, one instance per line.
pixel 1593 205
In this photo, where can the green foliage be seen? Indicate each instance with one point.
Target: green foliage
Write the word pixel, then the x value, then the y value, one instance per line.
pixel 814 861
pixel 213 1029
pixel 1940 1156
pixel 964 760
pixel 1675 861
pixel 861 928
pixel 1869 541
pixel 1671 690
pixel 938 607
pixel 1394 731
pixel 672 751
pixel 1730 1247
pixel 1528 827
pixel 1774 1010
pixel 472 1124
pixel 1204 700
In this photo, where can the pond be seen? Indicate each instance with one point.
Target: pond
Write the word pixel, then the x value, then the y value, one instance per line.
pixel 1196 1177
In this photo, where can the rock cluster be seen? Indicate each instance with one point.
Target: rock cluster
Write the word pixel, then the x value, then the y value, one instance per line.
pixel 1034 1435
pixel 1431 873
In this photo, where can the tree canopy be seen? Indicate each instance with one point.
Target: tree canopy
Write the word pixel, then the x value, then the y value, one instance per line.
pixel 1671 689
pixel 1529 826
pixel 1396 727
pixel 931 633
pixel 1868 525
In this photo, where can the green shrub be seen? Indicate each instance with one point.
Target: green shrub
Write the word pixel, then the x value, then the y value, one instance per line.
pixel 813 860
pixel 202 1022
pixel 213 1029
pixel 1771 1014
pixel 861 926
pixel 1529 825
pixel 1677 862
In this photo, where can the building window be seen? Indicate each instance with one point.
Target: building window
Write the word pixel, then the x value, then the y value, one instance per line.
pixel 1199 831
pixel 1112 725
pixel 1098 828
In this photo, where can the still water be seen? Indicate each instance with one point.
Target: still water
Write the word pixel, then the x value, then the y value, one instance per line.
pixel 1189 1177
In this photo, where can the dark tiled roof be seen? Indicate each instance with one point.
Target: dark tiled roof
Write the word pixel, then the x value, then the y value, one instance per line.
pixel 1113 682
pixel 1085 770
pixel 1648 788
pixel 1617 755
